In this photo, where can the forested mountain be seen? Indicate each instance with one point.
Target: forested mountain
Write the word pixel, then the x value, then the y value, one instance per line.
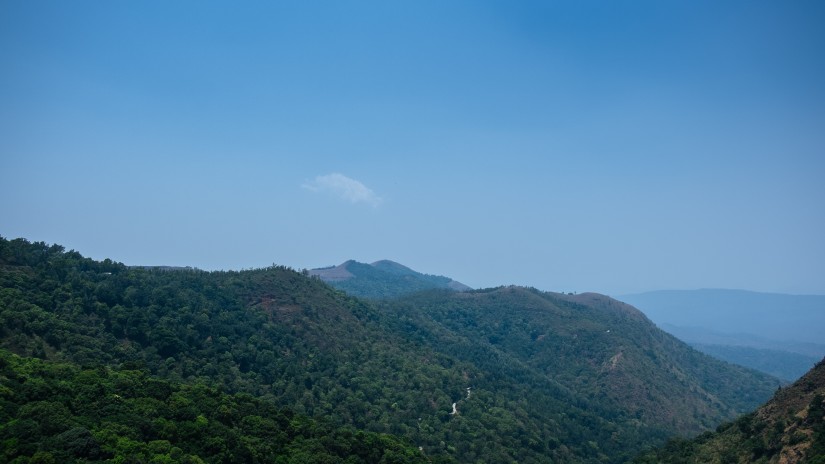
pixel 789 429
pixel 587 346
pixel 499 375
pixel 382 279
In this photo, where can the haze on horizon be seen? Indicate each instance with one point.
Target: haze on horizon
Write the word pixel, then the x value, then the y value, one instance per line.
pixel 570 146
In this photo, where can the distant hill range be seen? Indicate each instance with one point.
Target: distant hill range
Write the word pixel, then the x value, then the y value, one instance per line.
pixel 382 279
pixel 790 428
pixel 776 333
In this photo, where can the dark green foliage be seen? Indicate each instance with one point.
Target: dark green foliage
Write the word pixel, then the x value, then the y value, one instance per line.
pixel 113 415
pixel 598 348
pixel 816 420
pixel 548 381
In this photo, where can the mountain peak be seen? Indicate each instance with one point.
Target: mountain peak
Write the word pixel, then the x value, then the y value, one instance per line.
pixel 382 279
pixel 392 266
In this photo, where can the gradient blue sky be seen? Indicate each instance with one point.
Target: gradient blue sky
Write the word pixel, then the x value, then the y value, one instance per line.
pixel 615 146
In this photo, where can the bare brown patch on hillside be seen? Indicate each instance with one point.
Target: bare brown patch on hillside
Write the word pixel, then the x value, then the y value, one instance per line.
pixel 337 273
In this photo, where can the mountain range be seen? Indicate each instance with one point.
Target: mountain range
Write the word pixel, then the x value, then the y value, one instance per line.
pixel 506 374
pixel 775 316
pixel 775 333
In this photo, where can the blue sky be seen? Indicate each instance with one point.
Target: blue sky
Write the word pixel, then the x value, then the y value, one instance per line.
pixel 572 146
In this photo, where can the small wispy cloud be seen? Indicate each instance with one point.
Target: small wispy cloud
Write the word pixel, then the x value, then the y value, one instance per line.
pixel 344 187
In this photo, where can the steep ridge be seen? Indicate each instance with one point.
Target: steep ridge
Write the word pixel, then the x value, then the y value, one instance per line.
pixel 548 381
pixel 788 429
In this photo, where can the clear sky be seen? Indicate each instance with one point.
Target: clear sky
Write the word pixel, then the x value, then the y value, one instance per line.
pixel 610 146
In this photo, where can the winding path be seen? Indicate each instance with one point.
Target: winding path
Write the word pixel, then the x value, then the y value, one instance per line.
pixel 455 411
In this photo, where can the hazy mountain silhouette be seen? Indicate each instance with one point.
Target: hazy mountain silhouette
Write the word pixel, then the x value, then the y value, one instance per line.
pixel 775 333
pixel 382 279
pixel 774 316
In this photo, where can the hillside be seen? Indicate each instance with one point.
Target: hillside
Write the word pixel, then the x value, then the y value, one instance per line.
pixel 789 429
pixel 499 375
pixel 272 333
pixel 587 346
pixel 382 279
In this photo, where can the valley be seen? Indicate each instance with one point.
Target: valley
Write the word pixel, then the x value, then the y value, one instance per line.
pixel 778 334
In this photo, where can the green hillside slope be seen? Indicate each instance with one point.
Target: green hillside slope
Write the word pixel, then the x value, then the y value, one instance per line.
pixel 546 380
pixel 599 348
pixel 273 333
pixel 789 429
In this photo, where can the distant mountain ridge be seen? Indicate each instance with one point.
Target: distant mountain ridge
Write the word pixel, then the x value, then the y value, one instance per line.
pixel 785 365
pixel 775 316
pixel 697 335
pixel 382 279
pixel 775 333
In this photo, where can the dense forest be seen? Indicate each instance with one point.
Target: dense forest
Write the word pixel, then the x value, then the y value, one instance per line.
pixel 497 375
pixel 594 346
pixel 62 413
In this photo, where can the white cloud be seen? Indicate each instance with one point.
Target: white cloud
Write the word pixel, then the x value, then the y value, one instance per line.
pixel 345 188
